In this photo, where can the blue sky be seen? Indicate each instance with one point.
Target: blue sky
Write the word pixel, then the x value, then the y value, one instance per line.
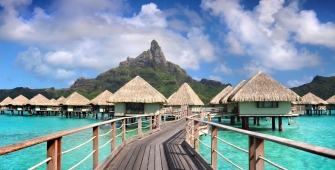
pixel 52 43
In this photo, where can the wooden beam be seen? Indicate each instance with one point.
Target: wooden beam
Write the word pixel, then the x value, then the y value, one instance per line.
pixel 214 147
pixel 113 136
pixel 196 135
pixel 96 147
pixel 54 150
pixel 256 149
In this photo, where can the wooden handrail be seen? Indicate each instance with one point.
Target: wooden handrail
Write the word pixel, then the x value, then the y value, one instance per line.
pixel 38 140
pixel 322 151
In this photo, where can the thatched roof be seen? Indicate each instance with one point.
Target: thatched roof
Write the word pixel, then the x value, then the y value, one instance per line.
pixel 40 100
pixel 331 100
pixel 102 98
pixel 224 100
pixel 262 87
pixel 60 100
pixel 6 101
pixel 223 93
pixel 137 91
pixel 310 98
pixel 19 101
pixel 54 102
pixel 185 96
pixel 75 99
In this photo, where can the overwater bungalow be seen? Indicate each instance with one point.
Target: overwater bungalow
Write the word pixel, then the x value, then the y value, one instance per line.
pixel 185 96
pixel 41 105
pixel 215 102
pixel 100 104
pixel 4 105
pixel 76 104
pixel 312 103
pixel 232 107
pixel 263 96
pixel 331 104
pixel 20 104
pixel 137 97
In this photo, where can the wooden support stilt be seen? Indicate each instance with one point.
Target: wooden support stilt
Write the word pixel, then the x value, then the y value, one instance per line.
pixel 280 125
pixel 258 121
pixel 219 119
pixel 243 122
pixel 273 122
pixel 255 118
pixel 232 120
pixel 247 123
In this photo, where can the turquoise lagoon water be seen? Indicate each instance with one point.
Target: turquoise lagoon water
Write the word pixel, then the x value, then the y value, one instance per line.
pixel 315 130
pixel 19 128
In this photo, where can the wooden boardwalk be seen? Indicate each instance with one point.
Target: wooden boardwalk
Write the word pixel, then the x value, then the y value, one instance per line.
pixel 164 150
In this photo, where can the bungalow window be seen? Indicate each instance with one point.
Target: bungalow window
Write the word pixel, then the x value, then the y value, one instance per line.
pixel 135 108
pixel 76 108
pixel 43 108
pixel 267 104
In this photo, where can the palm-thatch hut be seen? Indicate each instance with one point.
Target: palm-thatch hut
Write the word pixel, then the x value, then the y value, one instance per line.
pixel 216 100
pixel 20 103
pixel 137 97
pixel 101 105
pixel 312 103
pixel 76 103
pixel 185 96
pixel 232 106
pixel 262 95
pixel 4 104
pixel 41 104
pixel 331 104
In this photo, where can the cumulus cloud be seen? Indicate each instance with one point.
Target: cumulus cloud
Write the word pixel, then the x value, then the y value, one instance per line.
pixel 222 68
pixel 97 35
pixel 296 83
pixel 213 77
pixel 270 33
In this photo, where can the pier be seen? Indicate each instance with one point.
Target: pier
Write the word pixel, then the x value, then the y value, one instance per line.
pixel 159 144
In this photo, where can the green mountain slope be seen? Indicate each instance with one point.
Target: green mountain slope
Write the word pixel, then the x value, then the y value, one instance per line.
pixel 323 87
pixel 152 66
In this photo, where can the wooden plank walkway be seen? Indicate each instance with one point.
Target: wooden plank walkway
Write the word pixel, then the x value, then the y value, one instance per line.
pixel 161 150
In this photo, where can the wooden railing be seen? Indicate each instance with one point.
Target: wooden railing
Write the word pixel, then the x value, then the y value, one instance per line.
pixel 54 141
pixel 256 144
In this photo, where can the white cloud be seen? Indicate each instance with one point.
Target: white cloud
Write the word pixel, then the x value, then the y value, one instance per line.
pixel 222 68
pixel 296 83
pixel 269 33
pixel 95 35
pixel 217 78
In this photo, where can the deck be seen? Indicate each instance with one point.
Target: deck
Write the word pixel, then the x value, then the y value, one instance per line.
pixel 164 150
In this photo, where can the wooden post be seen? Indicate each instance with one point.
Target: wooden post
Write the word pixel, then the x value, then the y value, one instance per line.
pixel 196 135
pixel 209 119
pixel 255 118
pixel 139 124
pixel 151 124
pixel 214 147
pixel 113 136
pixel 246 123
pixel 243 122
pixel 219 119
pixel 256 149
pixel 232 120
pixel 54 150
pixel 187 131
pixel 273 122
pixel 258 121
pixel 96 147
pixel 159 120
pixel 280 126
pixel 124 129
